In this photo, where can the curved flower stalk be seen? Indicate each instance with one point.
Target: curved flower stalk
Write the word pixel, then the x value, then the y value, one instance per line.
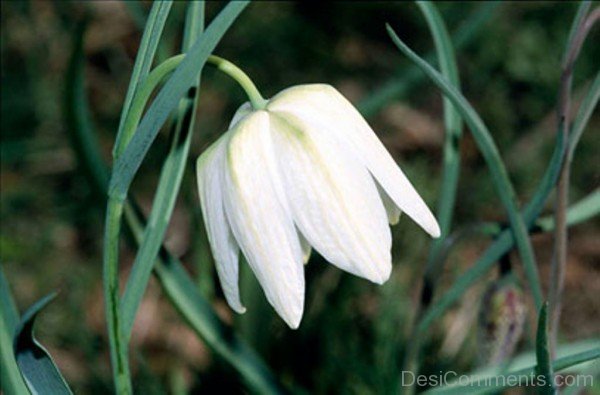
pixel 304 171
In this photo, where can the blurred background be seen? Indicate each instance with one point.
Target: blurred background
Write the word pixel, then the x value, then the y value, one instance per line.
pixel 354 334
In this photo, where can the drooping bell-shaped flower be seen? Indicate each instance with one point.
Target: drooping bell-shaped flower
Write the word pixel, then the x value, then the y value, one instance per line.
pixel 307 171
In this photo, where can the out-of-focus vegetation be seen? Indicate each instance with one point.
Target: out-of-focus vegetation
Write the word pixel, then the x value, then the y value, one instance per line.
pixel 353 333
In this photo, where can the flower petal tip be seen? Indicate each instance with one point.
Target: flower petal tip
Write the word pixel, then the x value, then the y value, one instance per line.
pixel 382 276
pixel 292 315
pixel 239 309
pixel 236 305
pixel 294 323
pixel 434 230
pixel 382 280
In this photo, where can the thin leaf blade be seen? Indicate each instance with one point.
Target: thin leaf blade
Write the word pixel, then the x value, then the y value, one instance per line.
pixel 168 185
pixel 11 381
pixel 143 61
pixel 491 384
pixel 408 77
pixel 489 151
pixel 168 98
pixel 542 351
pixel 35 363
pixel 505 241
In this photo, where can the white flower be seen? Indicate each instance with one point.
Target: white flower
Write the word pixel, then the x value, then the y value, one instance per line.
pixel 305 171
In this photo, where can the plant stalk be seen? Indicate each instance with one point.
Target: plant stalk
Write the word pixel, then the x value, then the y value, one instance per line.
pixel 559 260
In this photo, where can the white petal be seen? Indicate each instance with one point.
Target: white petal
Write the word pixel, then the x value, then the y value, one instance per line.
pixel 393 211
pixel 333 198
pixel 209 170
pixel 244 110
pixel 326 105
pixel 306 248
pixel 256 208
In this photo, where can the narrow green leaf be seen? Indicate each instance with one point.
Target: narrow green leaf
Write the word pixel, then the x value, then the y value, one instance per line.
pixel 168 185
pixel 194 24
pixel 35 363
pixel 126 166
pixel 176 282
pixel 168 98
pixel 77 116
pixel 453 127
pixel 485 384
pixel 143 94
pixel 11 381
pixel 586 109
pixel 582 11
pixel 493 159
pixel 450 170
pixel 543 368
pixel 10 314
pixel 143 61
pixel 583 210
pixel 408 77
pixel 505 242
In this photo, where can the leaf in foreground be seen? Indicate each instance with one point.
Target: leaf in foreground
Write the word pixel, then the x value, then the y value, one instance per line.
pixel 37 367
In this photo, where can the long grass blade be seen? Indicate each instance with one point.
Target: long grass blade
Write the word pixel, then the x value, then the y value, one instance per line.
pixel 168 185
pixel 174 279
pixel 144 59
pixel 505 242
pixel 450 170
pixel 10 314
pixel 493 159
pixel 583 210
pixel 543 368
pixel 582 11
pixel 118 344
pixel 494 384
pixel 168 98
pixel 11 381
pixel 583 116
pixel 408 77
pixel 39 371
pixel 452 123
pixel 128 163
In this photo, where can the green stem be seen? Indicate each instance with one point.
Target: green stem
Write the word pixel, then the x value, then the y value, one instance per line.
pixel 153 29
pixel 256 99
pixel 581 27
pixel 450 173
pixel 118 329
pixel 141 99
pixel 119 360
pixel 168 185
pixel 158 74
pixel 543 367
pixel 114 212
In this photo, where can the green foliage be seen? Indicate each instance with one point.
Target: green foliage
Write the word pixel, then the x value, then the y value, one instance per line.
pixel 355 335
pixel 10 377
pixel 497 169
pixel 35 363
pixel 543 368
